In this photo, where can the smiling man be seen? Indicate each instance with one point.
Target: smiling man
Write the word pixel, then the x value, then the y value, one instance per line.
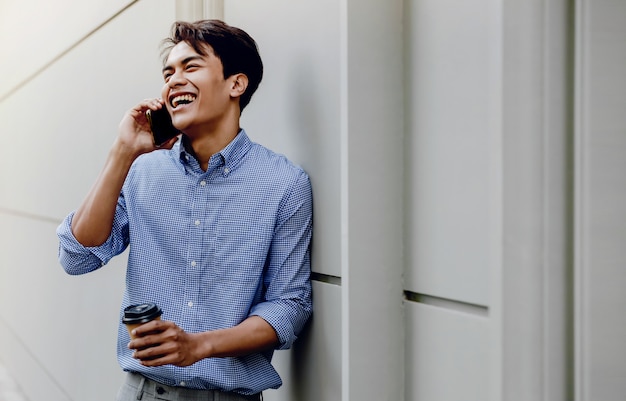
pixel 219 230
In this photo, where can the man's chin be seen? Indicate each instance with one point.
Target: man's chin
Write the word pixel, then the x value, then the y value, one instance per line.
pixel 181 124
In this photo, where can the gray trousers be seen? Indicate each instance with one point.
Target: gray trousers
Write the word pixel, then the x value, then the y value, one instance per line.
pixel 138 387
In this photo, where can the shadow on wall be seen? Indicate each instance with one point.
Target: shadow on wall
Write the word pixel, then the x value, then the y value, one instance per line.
pixel 301 357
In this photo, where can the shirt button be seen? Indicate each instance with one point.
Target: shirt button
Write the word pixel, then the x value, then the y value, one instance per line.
pixel 197 222
pixel 193 263
pixel 190 304
pixel 183 384
pixel 226 170
pixel 202 183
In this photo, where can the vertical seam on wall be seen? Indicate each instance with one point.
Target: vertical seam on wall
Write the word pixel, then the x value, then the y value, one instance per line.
pixel 566 113
pixel 579 385
pixel 545 197
pixel 571 213
pixel 214 9
pixel 344 193
pixel 194 10
pixel 496 273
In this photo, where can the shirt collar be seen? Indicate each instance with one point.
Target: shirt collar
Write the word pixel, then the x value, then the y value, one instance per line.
pixel 230 156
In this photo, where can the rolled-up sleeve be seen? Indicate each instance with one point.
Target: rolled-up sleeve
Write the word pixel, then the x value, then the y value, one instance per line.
pixel 288 305
pixel 78 259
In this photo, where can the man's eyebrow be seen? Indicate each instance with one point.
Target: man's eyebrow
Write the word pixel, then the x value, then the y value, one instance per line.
pixel 185 61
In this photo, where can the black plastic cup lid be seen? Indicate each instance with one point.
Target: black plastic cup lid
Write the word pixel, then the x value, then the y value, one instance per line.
pixel 139 314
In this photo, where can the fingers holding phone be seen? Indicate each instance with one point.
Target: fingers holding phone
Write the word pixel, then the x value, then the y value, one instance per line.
pixel 136 132
pixel 139 122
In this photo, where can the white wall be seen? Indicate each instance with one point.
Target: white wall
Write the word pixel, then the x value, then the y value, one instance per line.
pixel 466 160
pixel 58 332
pixel 452 196
pixel 515 194
pixel 42 31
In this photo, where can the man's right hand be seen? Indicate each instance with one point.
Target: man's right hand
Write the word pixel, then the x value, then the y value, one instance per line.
pixel 135 136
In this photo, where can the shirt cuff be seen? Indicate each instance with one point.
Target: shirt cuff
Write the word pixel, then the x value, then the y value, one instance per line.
pixel 271 313
pixel 76 258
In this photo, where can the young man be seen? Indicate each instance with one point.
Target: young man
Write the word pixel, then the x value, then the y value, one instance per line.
pixel 219 230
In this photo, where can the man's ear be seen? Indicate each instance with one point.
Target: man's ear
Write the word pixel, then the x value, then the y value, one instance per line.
pixel 239 84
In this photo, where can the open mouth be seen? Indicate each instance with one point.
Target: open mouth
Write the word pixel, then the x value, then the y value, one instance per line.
pixel 182 99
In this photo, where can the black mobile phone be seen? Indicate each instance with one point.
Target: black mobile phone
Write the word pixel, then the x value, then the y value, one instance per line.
pixel 161 125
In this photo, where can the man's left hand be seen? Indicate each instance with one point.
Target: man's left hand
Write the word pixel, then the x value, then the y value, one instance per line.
pixel 162 342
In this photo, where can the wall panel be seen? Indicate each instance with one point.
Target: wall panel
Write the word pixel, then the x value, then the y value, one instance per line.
pixel 63 122
pixel 58 128
pixel 60 330
pixel 372 137
pixel 451 159
pixel 28 47
pixel 537 231
pixel 601 200
pixel 447 354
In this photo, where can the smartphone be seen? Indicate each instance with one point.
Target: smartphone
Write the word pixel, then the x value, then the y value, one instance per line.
pixel 161 125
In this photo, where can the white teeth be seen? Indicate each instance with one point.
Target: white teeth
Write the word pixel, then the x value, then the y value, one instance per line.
pixel 182 99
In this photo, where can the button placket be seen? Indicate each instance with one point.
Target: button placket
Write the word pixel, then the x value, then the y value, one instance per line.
pixel 195 255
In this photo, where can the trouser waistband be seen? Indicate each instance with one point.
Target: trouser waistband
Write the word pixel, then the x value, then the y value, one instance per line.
pixel 152 389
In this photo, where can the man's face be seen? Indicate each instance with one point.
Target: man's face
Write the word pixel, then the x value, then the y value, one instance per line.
pixel 195 91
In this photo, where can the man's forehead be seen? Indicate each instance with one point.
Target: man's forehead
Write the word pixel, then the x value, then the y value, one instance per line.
pixel 183 50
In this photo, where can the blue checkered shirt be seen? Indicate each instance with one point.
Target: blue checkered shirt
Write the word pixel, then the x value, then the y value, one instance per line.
pixel 211 249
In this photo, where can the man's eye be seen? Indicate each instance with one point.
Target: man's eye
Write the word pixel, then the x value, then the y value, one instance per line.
pixel 191 66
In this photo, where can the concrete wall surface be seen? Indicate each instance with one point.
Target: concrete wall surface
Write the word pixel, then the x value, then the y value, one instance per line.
pixel 467 164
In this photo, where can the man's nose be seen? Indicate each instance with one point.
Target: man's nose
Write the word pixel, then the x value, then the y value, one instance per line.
pixel 177 78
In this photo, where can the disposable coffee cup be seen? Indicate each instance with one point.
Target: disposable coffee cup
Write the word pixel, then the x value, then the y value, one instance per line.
pixel 136 315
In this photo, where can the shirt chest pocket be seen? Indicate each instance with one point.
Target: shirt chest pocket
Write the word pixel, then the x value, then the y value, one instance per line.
pixel 242 242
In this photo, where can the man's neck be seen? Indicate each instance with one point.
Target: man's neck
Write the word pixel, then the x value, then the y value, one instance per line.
pixel 207 143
